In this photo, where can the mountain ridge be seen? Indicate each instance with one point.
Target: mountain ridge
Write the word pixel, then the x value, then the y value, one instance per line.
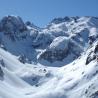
pixel 52 62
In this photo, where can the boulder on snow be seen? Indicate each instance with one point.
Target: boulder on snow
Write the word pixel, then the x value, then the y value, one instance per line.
pixel 22 59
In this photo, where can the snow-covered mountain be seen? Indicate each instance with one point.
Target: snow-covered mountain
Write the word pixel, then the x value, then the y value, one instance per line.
pixel 58 61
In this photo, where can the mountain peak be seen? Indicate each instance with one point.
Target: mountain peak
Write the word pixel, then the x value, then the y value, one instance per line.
pixel 12 24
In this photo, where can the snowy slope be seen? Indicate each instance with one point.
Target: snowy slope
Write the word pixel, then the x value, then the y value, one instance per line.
pixel 66 81
pixel 58 61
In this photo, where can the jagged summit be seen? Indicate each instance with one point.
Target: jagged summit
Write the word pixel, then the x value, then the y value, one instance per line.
pixel 12 24
pixel 69 18
pixel 65 19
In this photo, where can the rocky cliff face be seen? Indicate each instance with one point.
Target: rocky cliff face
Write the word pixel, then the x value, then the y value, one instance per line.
pixel 73 33
pixel 57 50
pixel 79 32
pixel 12 24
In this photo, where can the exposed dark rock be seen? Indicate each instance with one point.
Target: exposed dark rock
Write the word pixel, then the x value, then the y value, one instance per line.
pixel 52 56
pixel 90 58
pixel 42 40
pixel 96 49
pixel 28 23
pixel 1 73
pixel 2 63
pixel 12 24
pixel 22 59
pixel 94 95
pixel 57 50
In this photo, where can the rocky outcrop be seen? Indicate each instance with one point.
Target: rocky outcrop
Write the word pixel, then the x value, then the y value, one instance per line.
pixel 12 24
pixel 42 40
pixel 57 50
pixel 90 58
pixel 1 73
pixel 61 48
pixel 92 55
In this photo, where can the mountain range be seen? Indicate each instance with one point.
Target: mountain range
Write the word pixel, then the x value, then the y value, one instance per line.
pixel 57 61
